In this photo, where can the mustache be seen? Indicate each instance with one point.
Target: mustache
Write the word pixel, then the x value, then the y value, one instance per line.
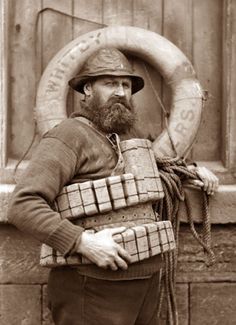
pixel 119 100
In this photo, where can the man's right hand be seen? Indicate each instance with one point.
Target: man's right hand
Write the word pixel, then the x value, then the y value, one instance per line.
pixel 101 249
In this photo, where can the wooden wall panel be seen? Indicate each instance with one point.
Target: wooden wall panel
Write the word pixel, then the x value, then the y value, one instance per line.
pixel 22 74
pixel 177 17
pixel 117 12
pixel 194 26
pixel 207 59
pixel 148 15
pixel 4 20
pixel 232 94
pixel 89 17
pixel 56 29
pixel 177 27
pixel 229 85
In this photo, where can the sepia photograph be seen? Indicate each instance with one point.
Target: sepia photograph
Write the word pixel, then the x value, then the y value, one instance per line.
pixel 118 162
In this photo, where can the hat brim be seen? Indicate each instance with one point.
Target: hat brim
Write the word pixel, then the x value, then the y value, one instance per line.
pixel 78 82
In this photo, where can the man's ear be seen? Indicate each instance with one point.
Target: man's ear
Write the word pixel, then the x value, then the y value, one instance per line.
pixel 88 88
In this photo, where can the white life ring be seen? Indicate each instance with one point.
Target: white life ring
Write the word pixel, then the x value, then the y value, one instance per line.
pixel 171 63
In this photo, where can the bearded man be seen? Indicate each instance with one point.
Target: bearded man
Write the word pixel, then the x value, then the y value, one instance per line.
pixel 111 289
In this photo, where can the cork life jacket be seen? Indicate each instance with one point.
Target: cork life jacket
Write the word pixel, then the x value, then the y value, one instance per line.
pixel 125 198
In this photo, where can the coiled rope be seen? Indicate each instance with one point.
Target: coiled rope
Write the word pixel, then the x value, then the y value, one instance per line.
pixel 174 172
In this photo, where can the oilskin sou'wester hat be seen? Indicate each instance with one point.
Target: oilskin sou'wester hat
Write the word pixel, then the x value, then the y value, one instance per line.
pixel 106 62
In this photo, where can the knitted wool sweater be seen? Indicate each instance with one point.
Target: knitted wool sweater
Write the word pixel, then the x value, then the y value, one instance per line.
pixel 70 152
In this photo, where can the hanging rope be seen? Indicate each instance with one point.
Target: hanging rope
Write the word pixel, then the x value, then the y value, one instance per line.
pixel 174 173
pixel 164 110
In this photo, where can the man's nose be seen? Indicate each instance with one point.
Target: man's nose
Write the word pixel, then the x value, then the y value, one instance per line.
pixel 119 91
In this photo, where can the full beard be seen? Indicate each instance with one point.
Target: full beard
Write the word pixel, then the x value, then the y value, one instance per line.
pixel 116 115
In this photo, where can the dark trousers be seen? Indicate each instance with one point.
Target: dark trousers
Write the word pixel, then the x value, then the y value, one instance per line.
pixel 75 299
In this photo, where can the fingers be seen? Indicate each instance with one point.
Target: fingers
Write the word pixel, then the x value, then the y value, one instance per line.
pixel 116 261
pixel 117 230
pixel 120 263
pixel 210 181
pixel 195 182
pixel 121 260
pixel 124 254
pixel 216 182
pixel 114 256
pixel 113 266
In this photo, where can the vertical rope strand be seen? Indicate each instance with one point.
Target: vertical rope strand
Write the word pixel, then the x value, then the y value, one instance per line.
pixel 173 173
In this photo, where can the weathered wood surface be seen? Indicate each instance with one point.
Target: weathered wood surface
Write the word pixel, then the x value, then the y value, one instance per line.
pixel 90 17
pixel 194 26
pixel 182 22
pixel 4 19
pixel 177 27
pixel 229 85
pixel 22 74
pixel 207 58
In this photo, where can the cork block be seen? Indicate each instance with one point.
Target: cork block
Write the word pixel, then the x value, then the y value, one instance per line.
pixel 154 239
pixel 152 189
pixel 163 236
pixel 143 255
pixel 65 214
pixel 142 189
pixel 130 189
pixel 62 202
pixel 75 202
pixel 60 259
pixel 102 195
pixel 131 247
pixel 128 235
pixel 134 258
pixel 142 244
pixel 155 250
pixel 88 198
pixel 116 192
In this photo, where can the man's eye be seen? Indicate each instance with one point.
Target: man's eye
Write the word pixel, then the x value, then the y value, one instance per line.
pixel 126 85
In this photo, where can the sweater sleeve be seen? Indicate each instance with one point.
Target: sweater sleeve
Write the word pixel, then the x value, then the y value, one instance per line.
pixel 52 166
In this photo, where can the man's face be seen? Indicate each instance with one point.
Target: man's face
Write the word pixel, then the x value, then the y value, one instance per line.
pixel 110 104
pixel 110 86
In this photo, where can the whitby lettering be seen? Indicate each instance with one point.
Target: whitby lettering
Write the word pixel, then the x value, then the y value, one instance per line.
pixel 64 65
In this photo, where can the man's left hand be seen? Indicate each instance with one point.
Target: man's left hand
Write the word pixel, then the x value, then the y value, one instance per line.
pixel 208 180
